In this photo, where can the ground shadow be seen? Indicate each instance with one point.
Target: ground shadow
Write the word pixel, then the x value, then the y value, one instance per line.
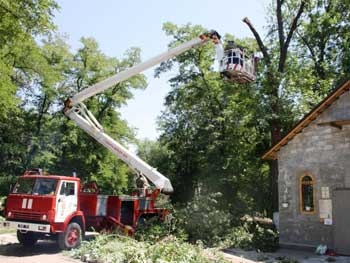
pixel 17 250
pixel 14 249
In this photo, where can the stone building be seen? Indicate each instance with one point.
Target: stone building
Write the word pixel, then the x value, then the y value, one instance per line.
pixel 314 176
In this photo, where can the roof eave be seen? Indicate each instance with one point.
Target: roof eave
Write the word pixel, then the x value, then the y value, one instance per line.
pixel 271 154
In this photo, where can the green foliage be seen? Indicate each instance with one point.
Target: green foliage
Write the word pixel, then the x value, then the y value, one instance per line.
pixel 20 22
pixel 153 230
pixel 6 184
pixel 112 175
pixel 203 221
pixel 156 154
pixel 239 237
pixel 265 239
pixel 250 235
pixel 114 248
pixel 213 132
pixel 31 77
pixel 36 77
pixel 325 34
pixel 78 151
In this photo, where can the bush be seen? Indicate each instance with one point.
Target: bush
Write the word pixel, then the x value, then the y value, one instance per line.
pixel 198 221
pixel 155 231
pixel 253 234
pixel 202 221
pixel 265 239
pixel 152 232
pixel 6 183
pixel 239 237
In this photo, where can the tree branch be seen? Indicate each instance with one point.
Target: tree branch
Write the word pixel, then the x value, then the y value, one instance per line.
pixel 261 45
pixel 280 26
pixel 15 15
pixel 292 29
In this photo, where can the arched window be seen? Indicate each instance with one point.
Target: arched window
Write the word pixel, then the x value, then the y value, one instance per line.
pixel 307 194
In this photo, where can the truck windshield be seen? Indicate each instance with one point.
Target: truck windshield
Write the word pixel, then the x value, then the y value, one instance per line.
pixel 35 186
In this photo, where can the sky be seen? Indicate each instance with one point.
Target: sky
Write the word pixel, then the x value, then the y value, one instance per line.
pixel 119 25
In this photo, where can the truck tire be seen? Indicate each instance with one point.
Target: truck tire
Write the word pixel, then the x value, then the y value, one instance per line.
pixel 71 237
pixel 141 222
pixel 27 239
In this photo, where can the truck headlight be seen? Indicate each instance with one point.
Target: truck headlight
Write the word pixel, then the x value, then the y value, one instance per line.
pixel 9 214
pixel 44 217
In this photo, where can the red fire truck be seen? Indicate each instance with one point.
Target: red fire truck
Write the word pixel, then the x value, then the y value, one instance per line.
pixel 42 206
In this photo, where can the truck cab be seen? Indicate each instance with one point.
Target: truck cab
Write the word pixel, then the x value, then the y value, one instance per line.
pixel 60 207
pixel 40 206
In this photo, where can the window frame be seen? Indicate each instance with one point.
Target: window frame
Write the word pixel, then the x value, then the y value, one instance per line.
pixel 313 183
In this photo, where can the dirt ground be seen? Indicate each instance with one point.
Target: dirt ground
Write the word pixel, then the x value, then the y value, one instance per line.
pixel 283 255
pixel 45 251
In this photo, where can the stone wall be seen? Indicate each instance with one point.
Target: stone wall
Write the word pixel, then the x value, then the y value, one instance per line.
pixel 324 152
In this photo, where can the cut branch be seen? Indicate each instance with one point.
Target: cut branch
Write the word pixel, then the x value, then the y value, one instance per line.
pixel 261 45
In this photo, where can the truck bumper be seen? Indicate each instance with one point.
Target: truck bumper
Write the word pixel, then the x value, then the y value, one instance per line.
pixel 24 226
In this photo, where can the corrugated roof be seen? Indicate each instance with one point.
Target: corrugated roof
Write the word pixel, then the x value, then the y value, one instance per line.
pixel 271 154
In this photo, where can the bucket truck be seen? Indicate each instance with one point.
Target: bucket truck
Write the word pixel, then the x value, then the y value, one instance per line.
pixel 42 206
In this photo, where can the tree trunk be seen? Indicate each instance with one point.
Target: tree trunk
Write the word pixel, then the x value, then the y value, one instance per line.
pixel 274 188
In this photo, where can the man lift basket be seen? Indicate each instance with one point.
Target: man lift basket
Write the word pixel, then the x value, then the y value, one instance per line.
pixel 237 66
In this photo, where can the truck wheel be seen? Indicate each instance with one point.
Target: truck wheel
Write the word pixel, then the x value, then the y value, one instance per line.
pixel 27 239
pixel 71 238
pixel 141 222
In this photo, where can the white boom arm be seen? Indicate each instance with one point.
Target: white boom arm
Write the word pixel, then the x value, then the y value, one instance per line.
pixel 77 111
pixel 119 77
pixel 88 123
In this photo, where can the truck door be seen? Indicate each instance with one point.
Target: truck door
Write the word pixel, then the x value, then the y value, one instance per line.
pixel 67 200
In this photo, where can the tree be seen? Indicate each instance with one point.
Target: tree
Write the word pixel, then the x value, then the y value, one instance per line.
pixel 304 55
pixel 324 37
pixel 21 62
pixel 42 96
pixel 212 130
pixel 286 17
pixel 21 21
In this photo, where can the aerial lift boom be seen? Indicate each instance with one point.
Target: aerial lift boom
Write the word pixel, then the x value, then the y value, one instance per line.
pixel 119 77
pixel 77 111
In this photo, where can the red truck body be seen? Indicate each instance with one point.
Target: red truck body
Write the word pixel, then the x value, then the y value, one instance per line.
pixel 59 206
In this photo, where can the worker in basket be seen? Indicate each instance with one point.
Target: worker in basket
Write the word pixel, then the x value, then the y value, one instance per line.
pixel 142 185
pixel 236 65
